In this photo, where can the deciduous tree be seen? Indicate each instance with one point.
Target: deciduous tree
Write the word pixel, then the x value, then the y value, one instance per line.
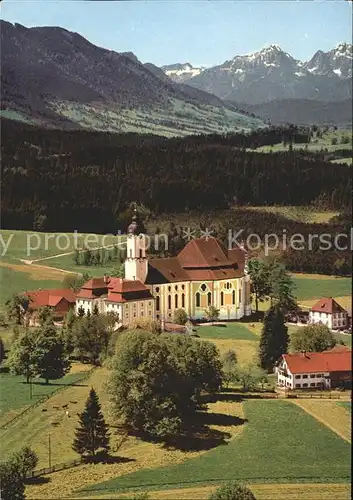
pixel 229 364
pixel 25 461
pixel 11 483
pixel 157 382
pixel 50 360
pixel 180 317
pixel 21 359
pixel 313 338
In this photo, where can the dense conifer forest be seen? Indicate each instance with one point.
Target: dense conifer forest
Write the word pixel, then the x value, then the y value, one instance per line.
pixel 62 181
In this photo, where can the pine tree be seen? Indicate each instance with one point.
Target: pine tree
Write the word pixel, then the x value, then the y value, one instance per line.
pixel 92 434
pixel 274 338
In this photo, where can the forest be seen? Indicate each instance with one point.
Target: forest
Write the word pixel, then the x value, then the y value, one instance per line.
pixel 61 181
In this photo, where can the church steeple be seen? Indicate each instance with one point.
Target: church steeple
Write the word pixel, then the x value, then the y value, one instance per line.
pixel 136 264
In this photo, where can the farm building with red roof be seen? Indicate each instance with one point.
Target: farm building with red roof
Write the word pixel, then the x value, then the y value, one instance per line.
pixel 330 313
pixel 312 370
pixel 60 302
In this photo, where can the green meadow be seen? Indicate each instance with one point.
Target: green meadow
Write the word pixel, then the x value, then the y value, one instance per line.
pixel 279 443
pixel 314 287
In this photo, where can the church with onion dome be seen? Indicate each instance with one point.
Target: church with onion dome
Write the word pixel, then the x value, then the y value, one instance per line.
pixel 203 274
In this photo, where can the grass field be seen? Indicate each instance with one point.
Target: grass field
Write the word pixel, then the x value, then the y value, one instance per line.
pixel 316 286
pixel 235 331
pixel 36 245
pixel 294 212
pixel 334 416
pixel 261 491
pixel 13 280
pixel 347 161
pixel 265 451
pixel 15 393
pixel 19 276
pixel 316 144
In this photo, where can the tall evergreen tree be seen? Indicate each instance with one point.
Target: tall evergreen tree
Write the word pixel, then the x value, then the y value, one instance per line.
pixel 92 434
pixel 274 338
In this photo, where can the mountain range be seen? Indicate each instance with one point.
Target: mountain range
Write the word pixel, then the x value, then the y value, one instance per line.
pixel 272 74
pixel 53 77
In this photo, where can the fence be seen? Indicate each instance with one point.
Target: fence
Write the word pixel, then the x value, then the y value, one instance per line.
pixel 314 396
pixel 55 468
pixel 85 376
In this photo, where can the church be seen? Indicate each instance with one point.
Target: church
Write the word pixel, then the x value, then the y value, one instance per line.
pixel 203 274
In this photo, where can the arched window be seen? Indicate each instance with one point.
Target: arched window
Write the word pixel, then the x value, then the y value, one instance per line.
pixel 203 287
pixel 130 253
pixel 141 254
pixel 176 301
pixel 233 296
pixel 239 295
pixel 169 301
pixel 183 300
pixel 157 303
pixel 222 299
pixel 209 298
pixel 197 299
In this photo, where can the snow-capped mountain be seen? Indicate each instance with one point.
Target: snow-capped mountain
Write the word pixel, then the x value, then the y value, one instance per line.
pixel 337 60
pixel 272 73
pixel 181 72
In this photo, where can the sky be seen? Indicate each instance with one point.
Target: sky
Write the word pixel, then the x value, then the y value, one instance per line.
pixel 200 32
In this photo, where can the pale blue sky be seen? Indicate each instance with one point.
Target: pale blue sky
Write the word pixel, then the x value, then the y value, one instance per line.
pixel 201 32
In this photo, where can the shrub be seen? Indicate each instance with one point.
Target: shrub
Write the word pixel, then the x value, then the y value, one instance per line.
pixel 234 491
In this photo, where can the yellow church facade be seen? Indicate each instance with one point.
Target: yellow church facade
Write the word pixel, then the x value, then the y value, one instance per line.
pixel 203 274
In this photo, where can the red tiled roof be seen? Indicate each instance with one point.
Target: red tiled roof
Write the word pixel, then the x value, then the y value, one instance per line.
pixel 327 305
pixel 51 298
pixel 114 290
pixel 317 362
pixel 125 290
pixel 201 259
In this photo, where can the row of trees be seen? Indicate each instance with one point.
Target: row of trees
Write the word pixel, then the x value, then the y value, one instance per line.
pixel 99 257
pixel 46 351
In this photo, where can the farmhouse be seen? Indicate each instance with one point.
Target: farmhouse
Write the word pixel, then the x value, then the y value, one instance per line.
pixel 203 274
pixel 328 312
pixel 60 302
pixel 310 370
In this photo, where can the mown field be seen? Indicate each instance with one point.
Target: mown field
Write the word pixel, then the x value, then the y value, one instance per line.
pixel 316 143
pixel 34 245
pixel 46 272
pixel 316 286
pixel 270 448
pixel 16 395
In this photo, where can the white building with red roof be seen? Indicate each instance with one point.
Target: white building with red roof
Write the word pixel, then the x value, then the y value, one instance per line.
pixel 128 299
pixel 316 370
pixel 330 313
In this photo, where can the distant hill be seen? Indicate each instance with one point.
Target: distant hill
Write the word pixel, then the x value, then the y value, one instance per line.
pixel 303 111
pixel 57 78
